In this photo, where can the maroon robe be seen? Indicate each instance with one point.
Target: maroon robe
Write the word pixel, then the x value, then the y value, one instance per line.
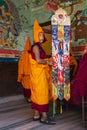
pixel 79 84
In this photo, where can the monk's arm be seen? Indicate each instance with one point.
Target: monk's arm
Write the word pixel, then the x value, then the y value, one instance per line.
pixel 37 56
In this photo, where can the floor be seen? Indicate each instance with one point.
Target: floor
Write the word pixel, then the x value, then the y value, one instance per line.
pixel 17 114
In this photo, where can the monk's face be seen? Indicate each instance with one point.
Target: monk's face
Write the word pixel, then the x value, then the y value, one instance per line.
pixel 41 37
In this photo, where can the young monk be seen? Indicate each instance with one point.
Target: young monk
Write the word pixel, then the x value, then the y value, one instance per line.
pixel 40 77
pixel 24 71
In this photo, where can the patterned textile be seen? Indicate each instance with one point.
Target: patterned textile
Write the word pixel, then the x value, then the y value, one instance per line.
pixel 61 58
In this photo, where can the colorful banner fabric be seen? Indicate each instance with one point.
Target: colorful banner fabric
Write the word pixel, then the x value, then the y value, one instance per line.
pixel 60 53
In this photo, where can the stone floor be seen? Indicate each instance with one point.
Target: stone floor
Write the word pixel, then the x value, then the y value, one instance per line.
pixel 16 114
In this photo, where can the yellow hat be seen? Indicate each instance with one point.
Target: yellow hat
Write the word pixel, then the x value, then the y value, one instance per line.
pixel 37 30
pixel 27 45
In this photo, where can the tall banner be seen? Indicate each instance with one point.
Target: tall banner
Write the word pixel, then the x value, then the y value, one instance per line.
pixel 61 55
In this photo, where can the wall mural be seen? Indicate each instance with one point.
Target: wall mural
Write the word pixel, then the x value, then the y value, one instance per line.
pixel 65 4
pixel 79 30
pixel 17 17
pixel 77 10
pixel 16 23
pixel 9 29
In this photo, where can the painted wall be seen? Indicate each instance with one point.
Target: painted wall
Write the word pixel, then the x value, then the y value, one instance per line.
pixel 17 18
pixel 16 22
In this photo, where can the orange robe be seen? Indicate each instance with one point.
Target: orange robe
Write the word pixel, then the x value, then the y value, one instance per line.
pixel 73 62
pixel 40 82
pixel 24 67
pixel 40 76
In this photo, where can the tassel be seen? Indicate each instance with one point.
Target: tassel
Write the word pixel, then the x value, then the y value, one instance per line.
pixel 54 111
pixel 61 110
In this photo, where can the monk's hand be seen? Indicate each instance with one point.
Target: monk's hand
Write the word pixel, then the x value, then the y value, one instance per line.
pixel 50 62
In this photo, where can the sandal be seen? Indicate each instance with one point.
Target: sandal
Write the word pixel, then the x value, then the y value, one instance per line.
pixel 36 116
pixel 47 121
pixel 36 119
pixel 28 100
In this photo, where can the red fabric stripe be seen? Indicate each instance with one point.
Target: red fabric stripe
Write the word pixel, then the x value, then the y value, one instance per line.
pixel 10 51
pixel 41 108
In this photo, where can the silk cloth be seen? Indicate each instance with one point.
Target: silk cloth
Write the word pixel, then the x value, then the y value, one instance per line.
pixel 79 83
pixel 41 82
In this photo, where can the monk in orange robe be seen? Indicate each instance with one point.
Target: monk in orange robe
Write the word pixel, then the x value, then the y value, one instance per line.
pixel 24 71
pixel 73 63
pixel 40 77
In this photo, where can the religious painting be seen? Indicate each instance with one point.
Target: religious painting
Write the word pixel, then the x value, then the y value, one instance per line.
pixel 9 29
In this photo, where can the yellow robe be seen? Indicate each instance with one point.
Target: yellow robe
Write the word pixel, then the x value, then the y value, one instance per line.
pixel 40 82
pixel 24 67
pixel 73 62
pixel 40 75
